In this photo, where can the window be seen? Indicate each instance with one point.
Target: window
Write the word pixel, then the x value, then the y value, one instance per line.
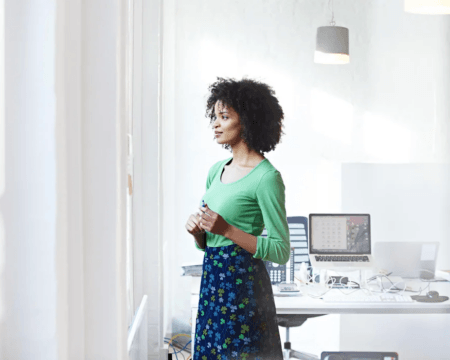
pixel 2 97
pixel 130 275
pixel 130 166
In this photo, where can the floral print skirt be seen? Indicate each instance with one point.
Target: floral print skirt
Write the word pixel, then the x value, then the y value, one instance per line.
pixel 236 316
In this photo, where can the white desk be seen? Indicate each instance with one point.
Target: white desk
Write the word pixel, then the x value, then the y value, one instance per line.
pixel 305 304
pixel 308 305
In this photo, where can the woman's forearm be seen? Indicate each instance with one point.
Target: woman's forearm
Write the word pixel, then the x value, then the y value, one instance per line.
pixel 200 239
pixel 244 240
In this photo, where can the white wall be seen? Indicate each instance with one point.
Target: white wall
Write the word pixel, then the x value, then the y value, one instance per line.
pixel 407 202
pixel 28 207
pixel 387 106
pixel 62 284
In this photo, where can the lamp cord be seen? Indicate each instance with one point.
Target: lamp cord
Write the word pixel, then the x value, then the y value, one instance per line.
pixel 332 22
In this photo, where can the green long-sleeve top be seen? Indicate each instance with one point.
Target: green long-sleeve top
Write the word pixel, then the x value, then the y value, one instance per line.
pixel 251 203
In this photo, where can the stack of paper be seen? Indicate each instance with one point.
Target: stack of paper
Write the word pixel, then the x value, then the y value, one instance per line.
pixel 191 269
pixel 277 292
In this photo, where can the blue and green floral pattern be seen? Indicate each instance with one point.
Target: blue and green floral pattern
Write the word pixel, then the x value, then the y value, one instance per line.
pixel 236 318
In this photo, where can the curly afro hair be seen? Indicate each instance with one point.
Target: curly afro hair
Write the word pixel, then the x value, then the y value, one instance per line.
pixel 260 114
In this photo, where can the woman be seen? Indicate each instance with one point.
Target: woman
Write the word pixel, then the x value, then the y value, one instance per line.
pixel 236 316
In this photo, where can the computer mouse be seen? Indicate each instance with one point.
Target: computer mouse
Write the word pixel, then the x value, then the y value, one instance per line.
pixel 432 294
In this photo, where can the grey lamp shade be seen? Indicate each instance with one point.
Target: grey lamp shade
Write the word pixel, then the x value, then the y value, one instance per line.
pixel 428 7
pixel 332 45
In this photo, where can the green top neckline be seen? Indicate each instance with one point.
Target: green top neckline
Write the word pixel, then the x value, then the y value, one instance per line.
pixel 242 178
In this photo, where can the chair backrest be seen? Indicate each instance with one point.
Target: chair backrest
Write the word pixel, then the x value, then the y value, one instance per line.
pixel 298 232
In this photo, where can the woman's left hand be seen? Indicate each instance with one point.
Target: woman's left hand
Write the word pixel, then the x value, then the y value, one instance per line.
pixel 212 221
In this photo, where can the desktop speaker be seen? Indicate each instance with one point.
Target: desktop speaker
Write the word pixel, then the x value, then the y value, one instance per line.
pixel 357 355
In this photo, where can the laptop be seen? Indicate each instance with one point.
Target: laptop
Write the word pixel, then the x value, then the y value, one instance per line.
pixel 340 241
pixel 408 259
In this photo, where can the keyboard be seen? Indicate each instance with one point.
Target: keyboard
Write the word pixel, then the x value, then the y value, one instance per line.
pixel 340 258
pixel 362 298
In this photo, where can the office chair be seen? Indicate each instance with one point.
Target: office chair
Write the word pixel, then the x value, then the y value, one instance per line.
pixel 298 232
pixel 294 320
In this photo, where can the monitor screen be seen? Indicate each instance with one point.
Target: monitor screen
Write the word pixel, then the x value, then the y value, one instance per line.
pixel 339 233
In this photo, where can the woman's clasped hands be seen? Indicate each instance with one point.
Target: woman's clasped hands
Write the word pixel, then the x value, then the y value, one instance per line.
pixel 207 220
pixel 193 225
pixel 212 221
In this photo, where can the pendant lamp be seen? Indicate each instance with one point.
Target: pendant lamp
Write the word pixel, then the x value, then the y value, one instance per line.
pixel 428 7
pixel 332 46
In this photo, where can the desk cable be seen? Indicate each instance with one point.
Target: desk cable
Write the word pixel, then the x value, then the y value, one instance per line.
pixel 393 286
pixel 366 289
pixel 310 280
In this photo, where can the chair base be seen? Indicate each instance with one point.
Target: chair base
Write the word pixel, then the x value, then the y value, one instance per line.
pixel 293 354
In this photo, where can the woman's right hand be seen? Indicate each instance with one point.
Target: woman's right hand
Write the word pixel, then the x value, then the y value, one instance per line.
pixel 193 225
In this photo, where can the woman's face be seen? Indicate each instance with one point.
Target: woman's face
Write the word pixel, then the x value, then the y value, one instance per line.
pixel 227 123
